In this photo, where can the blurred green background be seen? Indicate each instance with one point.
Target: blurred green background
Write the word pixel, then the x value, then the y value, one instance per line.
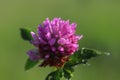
pixel 97 20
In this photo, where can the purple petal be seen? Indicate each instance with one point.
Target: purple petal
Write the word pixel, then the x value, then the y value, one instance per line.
pixel 79 37
pixel 48 36
pixel 36 39
pixel 47 23
pixel 52 41
pixel 53 49
pixel 33 55
pixel 63 41
pixel 60 48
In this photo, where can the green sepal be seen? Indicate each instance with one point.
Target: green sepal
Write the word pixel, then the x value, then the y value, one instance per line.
pixel 30 64
pixel 25 34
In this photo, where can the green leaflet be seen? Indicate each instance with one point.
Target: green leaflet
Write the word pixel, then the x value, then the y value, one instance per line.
pixel 25 34
pixel 82 56
pixel 55 75
pixel 87 53
pixel 60 73
pixel 30 64
pixel 68 72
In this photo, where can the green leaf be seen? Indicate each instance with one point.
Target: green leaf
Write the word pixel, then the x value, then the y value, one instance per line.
pixel 87 53
pixel 30 64
pixel 55 75
pixel 82 56
pixel 25 34
pixel 79 57
pixel 74 59
pixel 68 71
pixel 67 74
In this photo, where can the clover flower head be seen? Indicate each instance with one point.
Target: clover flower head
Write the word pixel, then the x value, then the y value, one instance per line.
pixel 56 41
